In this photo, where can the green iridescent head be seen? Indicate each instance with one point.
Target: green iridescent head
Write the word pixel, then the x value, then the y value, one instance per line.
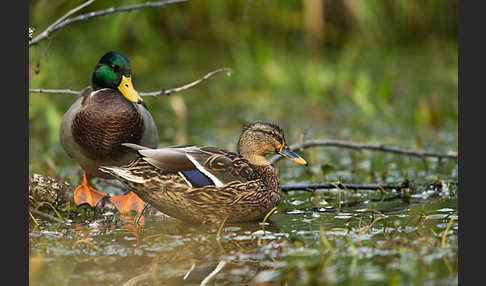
pixel 113 71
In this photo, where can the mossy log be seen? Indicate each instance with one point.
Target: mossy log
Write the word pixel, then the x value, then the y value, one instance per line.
pixel 46 193
pixel 50 190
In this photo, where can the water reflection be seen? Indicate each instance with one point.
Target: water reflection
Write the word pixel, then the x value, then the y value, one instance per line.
pixel 163 251
pixel 166 251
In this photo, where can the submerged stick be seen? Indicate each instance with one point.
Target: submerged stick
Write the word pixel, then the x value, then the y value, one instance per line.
pixel 364 146
pixel 45 215
pixel 62 22
pixel 153 93
pixel 218 268
pixel 313 187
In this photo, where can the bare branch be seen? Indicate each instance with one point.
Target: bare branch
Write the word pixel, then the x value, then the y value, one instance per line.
pixel 187 86
pixel 62 22
pixel 58 91
pixel 154 93
pixel 51 28
pixel 364 146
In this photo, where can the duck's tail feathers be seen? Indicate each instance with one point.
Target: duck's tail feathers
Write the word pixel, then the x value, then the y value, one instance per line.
pixel 122 174
pixel 135 147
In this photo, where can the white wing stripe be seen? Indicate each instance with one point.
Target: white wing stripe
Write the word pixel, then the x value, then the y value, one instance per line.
pixel 215 180
pixel 185 179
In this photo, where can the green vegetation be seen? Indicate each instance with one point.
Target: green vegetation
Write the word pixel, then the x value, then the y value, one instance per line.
pixel 376 71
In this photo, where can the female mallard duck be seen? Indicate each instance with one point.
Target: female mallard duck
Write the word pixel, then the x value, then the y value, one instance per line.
pixel 209 184
pixel 105 115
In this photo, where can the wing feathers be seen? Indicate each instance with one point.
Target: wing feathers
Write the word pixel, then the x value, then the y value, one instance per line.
pixel 198 166
pixel 215 180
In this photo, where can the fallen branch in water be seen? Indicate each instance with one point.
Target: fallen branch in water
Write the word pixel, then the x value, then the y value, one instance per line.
pixel 364 146
pixel 45 215
pixel 154 93
pixel 56 194
pixel 64 21
pixel 339 185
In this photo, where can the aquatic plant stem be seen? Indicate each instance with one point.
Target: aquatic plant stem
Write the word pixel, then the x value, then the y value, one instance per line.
pixel 33 218
pixel 370 225
pixel 266 217
pixel 444 235
pixel 364 146
pixel 324 239
pixel 64 21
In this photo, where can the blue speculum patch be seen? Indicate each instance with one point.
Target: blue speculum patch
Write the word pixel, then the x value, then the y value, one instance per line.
pixel 197 178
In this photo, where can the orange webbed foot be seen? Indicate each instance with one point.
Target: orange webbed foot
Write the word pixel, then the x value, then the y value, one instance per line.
pixel 128 202
pixel 86 194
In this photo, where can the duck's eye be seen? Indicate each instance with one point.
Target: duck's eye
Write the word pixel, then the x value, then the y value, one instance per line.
pixel 113 66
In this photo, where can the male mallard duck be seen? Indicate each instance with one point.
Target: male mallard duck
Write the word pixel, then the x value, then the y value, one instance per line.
pixel 105 115
pixel 209 184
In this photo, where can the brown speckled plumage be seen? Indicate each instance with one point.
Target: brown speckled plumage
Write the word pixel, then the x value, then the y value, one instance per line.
pixel 248 199
pixel 94 127
pixel 104 121
pixel 240 190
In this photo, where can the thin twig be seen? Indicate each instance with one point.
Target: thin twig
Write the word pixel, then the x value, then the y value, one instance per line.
pixel 58 91
pixel 154 93
pixel 360 146
pixel 186 86
pixel 62 22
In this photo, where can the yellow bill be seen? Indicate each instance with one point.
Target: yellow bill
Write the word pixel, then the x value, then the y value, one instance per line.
pixel 126 88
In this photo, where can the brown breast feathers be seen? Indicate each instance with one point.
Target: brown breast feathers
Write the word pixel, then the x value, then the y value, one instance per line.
pixel 106 120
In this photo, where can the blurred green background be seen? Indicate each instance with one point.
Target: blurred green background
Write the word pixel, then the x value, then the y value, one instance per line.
pixel 369 71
